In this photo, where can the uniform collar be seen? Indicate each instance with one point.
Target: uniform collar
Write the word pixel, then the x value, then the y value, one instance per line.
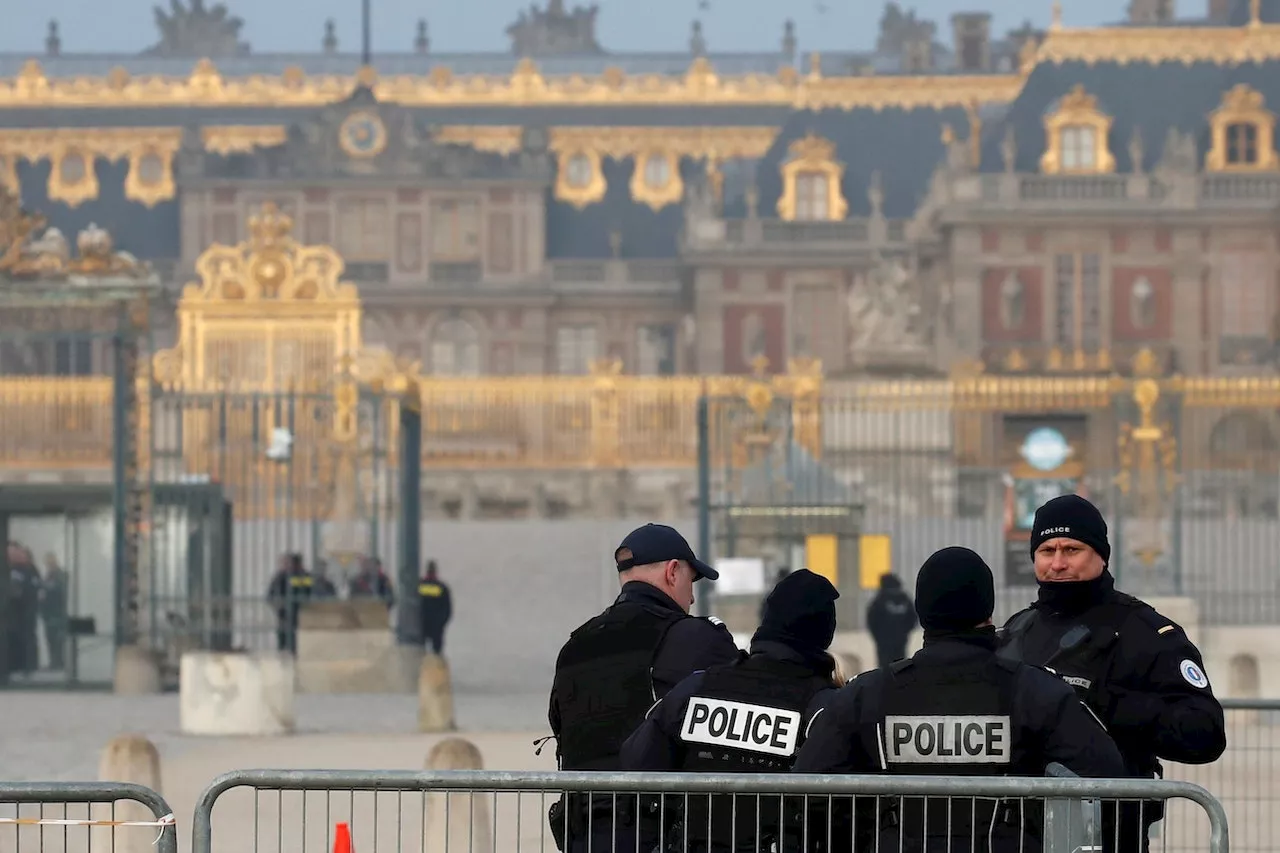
pixel 640 592
pixel 821 663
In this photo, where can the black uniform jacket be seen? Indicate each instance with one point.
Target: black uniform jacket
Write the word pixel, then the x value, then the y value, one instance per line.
pixel 656 744
pixel 690 645
pixel 1049 723
pixel 1141 674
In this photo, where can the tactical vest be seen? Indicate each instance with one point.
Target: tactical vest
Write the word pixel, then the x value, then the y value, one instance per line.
pixel 953 720
pixel 603 682
pixel 747 718
pixel 1087 667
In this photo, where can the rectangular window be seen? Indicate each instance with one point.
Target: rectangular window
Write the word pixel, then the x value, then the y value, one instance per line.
pixel 362 230
pixel 811 197
pixel 409 242
pixel 1243 285
pixel 1078 286
pixel 502 255
pixel 576 348
pixel 455 230
pixel 1079 149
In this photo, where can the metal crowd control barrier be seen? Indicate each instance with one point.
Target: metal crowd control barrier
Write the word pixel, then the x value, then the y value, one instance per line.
pixel 45 818
pixel 463 810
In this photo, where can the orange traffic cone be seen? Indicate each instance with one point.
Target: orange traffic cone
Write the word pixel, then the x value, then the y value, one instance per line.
pixel 342 839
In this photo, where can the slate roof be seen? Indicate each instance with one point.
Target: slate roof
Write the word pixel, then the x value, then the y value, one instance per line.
pixel 646 233
pixel 905 146
pixel 393 64
pixel 1153 98
pixel 149 233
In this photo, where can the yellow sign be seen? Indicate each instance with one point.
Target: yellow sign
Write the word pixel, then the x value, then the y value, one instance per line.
pixel 875 559
pixel 821 556
pixel 430 590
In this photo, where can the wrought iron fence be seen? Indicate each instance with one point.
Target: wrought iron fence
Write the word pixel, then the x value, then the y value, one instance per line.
pixel 80 817
pixel 485 811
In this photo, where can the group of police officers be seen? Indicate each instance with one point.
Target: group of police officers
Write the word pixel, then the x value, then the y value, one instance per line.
pixel 1087 677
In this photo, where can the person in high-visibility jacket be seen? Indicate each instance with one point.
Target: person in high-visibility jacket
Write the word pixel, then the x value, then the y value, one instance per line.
pixel 436 607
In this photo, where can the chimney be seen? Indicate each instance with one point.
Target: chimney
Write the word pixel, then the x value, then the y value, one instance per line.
pixel 1151 12
pixel 972 34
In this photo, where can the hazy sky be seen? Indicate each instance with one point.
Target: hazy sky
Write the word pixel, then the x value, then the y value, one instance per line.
pixel 127 26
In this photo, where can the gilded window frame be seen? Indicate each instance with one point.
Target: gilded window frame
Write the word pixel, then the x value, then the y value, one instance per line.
pixel 656 197
pixel 812 154
pixel 1242 104
pixel 591 192
pixel 1077 108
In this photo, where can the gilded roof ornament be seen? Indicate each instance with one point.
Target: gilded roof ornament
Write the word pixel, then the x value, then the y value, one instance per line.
pixel 526 86
pixel 1257 42
pixel 30 251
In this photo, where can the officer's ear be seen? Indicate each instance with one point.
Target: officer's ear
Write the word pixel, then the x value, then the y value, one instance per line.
pixel 671 572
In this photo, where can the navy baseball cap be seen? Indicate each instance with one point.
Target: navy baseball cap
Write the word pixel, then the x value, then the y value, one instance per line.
pixel 657 543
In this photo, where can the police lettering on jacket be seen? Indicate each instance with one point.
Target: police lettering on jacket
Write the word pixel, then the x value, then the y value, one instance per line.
pixel 755 728
pixel 947 740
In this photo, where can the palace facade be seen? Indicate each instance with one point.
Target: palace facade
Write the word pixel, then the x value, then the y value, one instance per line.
pixel 1042 201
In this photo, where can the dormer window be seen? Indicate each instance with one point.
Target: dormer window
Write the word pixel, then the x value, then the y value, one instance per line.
pixel 1242 134
pixel 1242 144
pixel 811 178
pixel 811 197
pixel 1077 135
pixel 1079 149
pixel 579 178
pixel 656 180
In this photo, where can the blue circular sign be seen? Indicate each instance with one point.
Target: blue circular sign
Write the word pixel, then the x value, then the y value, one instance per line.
pixel 1045 449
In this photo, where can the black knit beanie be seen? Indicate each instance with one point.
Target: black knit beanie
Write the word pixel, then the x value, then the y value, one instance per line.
pixel 800 613
pixel 954 591
pixel 1075 518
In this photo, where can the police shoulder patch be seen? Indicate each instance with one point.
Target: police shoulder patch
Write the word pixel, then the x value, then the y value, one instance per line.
pixel 1193 674
pixel 714 621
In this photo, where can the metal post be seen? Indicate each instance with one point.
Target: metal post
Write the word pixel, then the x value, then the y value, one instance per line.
pixel 119 483
pixel 6 600
pixel 366 50
pixel 409 625
pixel 702 602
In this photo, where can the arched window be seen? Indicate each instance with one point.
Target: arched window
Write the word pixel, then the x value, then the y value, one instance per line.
pixel 455 348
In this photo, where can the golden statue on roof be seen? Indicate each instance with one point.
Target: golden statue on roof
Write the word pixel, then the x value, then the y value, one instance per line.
pixel 29 250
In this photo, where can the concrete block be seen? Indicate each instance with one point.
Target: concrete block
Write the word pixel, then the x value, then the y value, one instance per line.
pixel 339 615
pixel 469 825
pixel 134 759
pixel 435 695
pixel 137 671
pixel 354 661
pixel 236 694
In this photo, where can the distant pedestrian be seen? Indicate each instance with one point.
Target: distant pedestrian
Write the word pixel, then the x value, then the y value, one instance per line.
pixel 53 611
pixel 291 586
pixel 372 582
pixel 437 607
pixel 891 617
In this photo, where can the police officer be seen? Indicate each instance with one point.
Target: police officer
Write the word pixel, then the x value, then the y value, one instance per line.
pixel 291 587
pixel 956 709
pixel 746 717
pixel 1136 669
pixel 435 607
pixel 616 665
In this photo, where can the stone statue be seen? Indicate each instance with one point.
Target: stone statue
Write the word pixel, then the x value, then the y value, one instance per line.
pixel 555 32
pixel 883 311
pixel 198 32
pixel 1009 151
pixel 1137 152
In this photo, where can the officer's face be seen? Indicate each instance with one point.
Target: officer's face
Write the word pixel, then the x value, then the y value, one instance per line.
pixel 1067 560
